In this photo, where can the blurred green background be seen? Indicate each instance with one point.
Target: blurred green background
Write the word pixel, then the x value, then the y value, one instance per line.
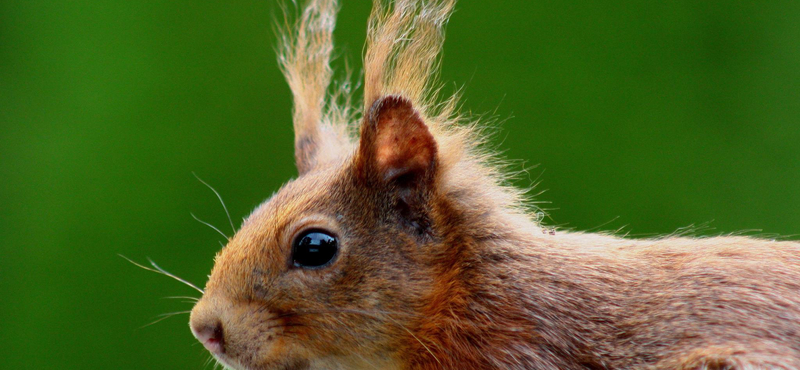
pixel 654 115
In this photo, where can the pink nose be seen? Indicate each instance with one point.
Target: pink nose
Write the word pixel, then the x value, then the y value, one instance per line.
pixel 211 336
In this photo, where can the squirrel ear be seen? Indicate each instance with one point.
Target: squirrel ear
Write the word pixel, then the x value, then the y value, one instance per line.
pixel 396 146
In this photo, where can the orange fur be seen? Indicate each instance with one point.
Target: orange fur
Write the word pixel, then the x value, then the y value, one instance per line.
pixel 439 266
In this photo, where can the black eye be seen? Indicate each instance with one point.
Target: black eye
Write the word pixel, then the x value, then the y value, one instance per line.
pixel 314 248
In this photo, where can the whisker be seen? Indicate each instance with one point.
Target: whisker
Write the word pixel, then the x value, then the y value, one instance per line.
pixel 220 200
pixel 209 225
pixel 157 269
pixel 406 329
pixel 193 299
pixel 418 340
pixel 155 322
pixel 372 313
pixel 173 313
pixel 219 365
pixel 208 361
pixel 377 315
pixel 165 316
pixel 167 273
pixel 292 325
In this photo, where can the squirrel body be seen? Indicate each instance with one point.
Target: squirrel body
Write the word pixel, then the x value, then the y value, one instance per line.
pixel 404 249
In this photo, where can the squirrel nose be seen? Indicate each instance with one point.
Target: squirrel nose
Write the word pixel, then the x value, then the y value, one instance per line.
pixel 211 335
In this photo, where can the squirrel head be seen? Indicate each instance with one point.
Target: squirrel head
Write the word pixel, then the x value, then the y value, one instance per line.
pixel 333 269
pixel 328 269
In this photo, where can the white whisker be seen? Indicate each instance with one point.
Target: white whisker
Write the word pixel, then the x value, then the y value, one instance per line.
pixel 220 200
pixel 189 300
pixel 209 225
pixel 173 313
pixel 193 299
pixel 157 269
pixel 208 361
pixel 165 316
pixel 378 314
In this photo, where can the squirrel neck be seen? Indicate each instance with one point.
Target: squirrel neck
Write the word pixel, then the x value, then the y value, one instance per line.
pixel 508 294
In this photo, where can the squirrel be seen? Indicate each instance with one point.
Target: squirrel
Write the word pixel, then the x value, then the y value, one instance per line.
pixel 400 245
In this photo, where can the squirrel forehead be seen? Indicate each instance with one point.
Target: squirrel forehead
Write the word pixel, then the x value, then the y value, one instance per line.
pixel 312 193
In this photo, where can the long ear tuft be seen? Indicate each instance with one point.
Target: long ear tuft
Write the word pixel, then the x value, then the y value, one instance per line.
pixel 305 53
pixel 436 144
pixel 401 61
pixel 403 44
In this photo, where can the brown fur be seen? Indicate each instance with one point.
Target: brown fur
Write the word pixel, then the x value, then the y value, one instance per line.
pixel 439 265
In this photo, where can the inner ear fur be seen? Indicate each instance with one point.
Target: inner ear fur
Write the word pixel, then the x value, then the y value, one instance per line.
pixel 396 147
pixel 398 155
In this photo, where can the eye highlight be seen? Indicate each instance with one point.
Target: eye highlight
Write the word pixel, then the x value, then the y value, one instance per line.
pixel 314 249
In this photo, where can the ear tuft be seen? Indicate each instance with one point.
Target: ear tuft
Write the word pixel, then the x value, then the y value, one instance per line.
pixel 396 145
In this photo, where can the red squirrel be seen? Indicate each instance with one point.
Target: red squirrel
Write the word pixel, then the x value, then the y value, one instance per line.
pixel 401 246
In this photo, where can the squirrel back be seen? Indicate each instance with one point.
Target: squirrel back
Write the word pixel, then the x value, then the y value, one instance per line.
pixel 403 247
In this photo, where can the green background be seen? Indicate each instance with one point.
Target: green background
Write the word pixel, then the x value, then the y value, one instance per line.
pixel 646 115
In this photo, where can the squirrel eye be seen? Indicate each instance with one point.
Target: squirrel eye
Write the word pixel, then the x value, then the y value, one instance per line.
pixel 314 249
